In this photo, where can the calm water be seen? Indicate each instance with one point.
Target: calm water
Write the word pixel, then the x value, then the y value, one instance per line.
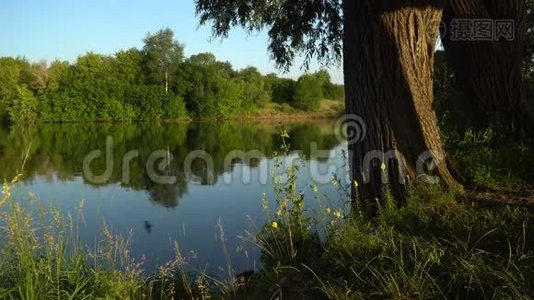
pixel 207 187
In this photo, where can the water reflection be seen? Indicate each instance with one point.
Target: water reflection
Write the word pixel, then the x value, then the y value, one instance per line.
pixel 58 151
pixel 187 211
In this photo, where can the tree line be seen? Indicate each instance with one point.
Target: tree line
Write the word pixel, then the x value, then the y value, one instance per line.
pixel 153 83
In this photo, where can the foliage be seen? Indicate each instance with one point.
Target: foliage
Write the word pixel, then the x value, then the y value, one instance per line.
pixel 150 84
pixel 10 75
pixel 255 93
pixel 311 28
pixel 282 90
pixel 308 92
pixel 485 162
pixel 162 57
pixel 23 108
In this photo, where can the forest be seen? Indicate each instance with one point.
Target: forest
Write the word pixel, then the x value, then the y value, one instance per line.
pixel 153 83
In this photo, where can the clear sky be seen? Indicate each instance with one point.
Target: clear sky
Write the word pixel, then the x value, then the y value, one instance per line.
pixel 64 29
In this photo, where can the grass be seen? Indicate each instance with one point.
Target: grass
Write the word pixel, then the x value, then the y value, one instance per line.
pixel 327 109
pixel 434 247
pixel 438 246
pixel 484 161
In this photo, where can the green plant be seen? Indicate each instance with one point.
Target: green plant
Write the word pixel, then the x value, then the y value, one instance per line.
pixel 486 162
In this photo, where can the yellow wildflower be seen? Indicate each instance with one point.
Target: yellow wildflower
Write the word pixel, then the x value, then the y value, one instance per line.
pixel 335 183
pixel 274 225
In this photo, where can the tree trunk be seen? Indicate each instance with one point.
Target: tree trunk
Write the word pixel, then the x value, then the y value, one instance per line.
pixel 490 72
pixel 166 82
pixel 388 62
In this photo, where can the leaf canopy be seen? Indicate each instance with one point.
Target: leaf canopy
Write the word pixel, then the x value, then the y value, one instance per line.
pixel 312 28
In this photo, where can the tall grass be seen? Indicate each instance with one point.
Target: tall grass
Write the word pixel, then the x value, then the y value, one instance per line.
pixel 41 258
pixel 434 247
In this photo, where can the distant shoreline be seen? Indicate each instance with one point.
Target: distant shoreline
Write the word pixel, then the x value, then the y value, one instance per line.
pixel 330 109
pixel 289 117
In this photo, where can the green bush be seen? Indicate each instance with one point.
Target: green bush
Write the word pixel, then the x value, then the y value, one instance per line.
pixel 174 108
pixel 24 106
pixel 308 93
pixel 482 160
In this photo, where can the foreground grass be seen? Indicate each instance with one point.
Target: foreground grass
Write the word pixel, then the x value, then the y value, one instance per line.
pixel 435 247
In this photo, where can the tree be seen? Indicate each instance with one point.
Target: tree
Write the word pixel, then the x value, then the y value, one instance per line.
pixel 24 106
pixel 330 90
pixel 229 96
pixel 13 73
pixel 215 90
pixel 255 92
pixel 163 56
pixel 388 49
pixel 128 66
pixel 9 78
pixel 528 68
pixel 56 73
pixel 204 74
pixel 490 72
pixel 334 91
pixel 282 90
pixel 174 108
pixel 308 92
pixel 40 75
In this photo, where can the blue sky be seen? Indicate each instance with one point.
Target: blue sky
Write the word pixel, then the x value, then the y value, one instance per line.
pixel 64 29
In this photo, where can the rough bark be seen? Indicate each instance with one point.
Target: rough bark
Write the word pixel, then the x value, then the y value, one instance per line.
pixel 388 62
pixel 490 73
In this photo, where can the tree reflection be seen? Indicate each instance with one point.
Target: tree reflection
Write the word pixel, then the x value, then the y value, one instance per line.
pixel 58 150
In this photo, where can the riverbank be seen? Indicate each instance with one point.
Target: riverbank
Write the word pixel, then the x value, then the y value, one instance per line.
pixel 275 112
pixel 328 109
